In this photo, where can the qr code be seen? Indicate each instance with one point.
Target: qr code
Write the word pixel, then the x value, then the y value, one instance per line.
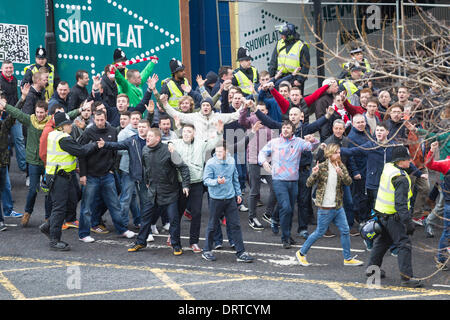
pixel 14 43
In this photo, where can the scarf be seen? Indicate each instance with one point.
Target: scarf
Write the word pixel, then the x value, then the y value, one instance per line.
pixel 344 115
pixel 39 124
pixel 9 79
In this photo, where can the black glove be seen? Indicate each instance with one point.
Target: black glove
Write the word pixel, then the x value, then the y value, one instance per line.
pixel 410 228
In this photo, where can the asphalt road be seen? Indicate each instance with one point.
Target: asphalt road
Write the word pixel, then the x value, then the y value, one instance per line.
pixel 104 270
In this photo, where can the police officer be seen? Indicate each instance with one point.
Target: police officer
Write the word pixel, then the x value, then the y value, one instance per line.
pixel 392 207
pixel 290 54
pixel 119 56
pixel 41 61
pixel 352 85
pixel 357 55
pixel 178 86
pixel 62 151
pixel 246 76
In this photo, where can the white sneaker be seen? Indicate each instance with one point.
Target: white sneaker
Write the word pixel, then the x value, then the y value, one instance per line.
pixel 150 238
pixel 166 226
pixel 243 208
pixel 154 229
pixel 87 239
pixel 128 234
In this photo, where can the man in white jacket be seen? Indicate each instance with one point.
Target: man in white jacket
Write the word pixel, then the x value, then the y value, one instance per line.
pixel 204 121
pixel 193 152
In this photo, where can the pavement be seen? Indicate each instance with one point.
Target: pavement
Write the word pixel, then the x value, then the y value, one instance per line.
pixel 104 270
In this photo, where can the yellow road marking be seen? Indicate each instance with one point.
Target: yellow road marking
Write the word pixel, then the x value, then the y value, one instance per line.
pixel 84 294
pixel 172 284
pixel 31 268
pixel 4 281
pixel 407 296
pixel 340 291
pixel 237 276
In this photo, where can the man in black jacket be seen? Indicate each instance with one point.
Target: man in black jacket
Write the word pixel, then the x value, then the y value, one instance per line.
pixel 109 86
pixel 96 174
pixel 79 91
pixel 8 85
pixel 161 177
pixel 36 93
pixel 60 97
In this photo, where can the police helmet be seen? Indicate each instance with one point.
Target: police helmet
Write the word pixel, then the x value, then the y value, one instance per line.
pixel 288 29
pixel 370 229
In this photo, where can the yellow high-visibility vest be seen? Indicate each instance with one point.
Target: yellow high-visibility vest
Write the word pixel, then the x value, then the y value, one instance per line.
pixel 57 156
pixel 349 86
pixel 289 61
pixel 385 202
pixel 245 83
pixel 175 93
pixel 51 78
pixel 346 65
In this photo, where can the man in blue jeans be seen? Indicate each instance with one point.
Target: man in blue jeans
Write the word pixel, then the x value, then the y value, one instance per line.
pixel 96 174
pixel 222 179
pixel 286 153
pixel 7 200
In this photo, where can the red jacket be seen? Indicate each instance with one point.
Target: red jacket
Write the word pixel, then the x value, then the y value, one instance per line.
pixel 441 166
pixel 357 109
pixel 49 127
pixel 309 100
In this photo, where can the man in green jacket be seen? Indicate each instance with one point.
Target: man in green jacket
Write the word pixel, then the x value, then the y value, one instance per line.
pixel 35 124
pixel 132 86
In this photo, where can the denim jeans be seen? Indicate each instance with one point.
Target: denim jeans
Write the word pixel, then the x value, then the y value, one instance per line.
pixel 227 207
pixel 19 144
pixel 150 210
pixel 128 199
pixel 104 186
pixel 3 174
pixel 35 173
pixel 348 205
pixel 443 242
pixel 7 200
pixel 286 193
pixel 324 218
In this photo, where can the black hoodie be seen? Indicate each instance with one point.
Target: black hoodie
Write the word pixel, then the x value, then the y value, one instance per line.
pixel 100 163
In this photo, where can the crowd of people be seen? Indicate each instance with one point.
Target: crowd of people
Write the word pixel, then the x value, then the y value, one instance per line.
pixel 125 147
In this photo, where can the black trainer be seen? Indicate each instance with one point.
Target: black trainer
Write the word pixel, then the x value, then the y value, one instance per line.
pixel 59 246
pixel 45 229
pixel 255 224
